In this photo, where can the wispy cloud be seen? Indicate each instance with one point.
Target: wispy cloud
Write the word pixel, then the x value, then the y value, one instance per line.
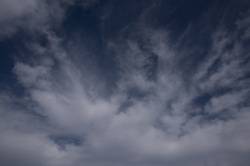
pixel 156 112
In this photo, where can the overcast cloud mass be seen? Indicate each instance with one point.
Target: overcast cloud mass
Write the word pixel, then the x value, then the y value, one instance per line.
pixel 124 83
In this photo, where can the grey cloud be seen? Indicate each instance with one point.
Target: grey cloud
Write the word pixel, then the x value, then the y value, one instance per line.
pixel 30 16
pixel 10 10
pixel 157 128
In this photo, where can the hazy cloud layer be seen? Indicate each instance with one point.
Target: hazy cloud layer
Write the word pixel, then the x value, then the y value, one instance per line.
pixel 94 91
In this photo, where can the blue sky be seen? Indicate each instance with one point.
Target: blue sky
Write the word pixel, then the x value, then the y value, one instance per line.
pixel 112 82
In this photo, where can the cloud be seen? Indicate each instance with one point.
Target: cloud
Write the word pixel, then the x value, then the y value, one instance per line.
pixel 11 9
pixel 152 116
pixel 31 16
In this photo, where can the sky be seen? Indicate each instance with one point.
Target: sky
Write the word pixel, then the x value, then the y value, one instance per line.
pixel 124 83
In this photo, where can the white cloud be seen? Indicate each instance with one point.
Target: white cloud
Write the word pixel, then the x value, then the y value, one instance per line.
pixel 156 128
pixel 31 16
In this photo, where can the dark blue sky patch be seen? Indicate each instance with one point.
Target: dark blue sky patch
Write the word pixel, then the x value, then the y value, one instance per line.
pixel 200 101
pixel 189 63
pixel 121 14
pixel 214 67
pixel 177 16
pixel 11 49
pixel 182 13
pixel 79 20
pixel 234 10
pixel 85 27
pixel 63 140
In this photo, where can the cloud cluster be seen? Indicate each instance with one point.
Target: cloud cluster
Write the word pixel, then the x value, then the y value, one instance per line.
pixel 156 112
pixel 33 16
